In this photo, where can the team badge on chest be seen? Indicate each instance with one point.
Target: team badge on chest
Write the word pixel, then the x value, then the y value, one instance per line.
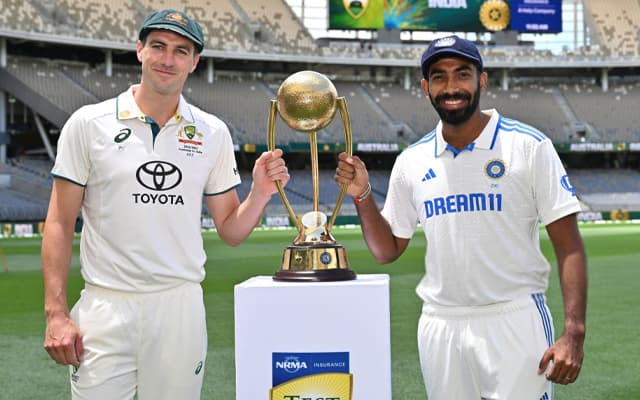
pixel 190 140
pixel 495 169
pixel 190 131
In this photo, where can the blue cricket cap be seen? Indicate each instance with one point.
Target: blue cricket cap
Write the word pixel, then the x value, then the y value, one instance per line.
pixel 450 46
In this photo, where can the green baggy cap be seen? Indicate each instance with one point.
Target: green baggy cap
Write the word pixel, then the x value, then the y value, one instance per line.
pixel 176 21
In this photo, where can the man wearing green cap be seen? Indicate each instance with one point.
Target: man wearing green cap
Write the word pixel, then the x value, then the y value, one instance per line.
pixel 137 167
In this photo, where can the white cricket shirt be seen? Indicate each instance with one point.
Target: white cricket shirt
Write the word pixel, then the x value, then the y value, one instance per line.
pixel 479 210
pixel 143 196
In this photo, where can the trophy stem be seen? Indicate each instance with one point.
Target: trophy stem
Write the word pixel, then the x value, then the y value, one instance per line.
pixel 314 170
pixel 271 144
pixel 344 114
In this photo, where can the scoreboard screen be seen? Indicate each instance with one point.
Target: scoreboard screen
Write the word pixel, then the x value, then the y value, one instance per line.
pixel 447 15
pixel 543 16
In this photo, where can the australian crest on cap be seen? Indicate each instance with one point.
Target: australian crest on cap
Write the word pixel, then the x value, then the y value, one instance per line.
pixel 445 42
pixel 177 18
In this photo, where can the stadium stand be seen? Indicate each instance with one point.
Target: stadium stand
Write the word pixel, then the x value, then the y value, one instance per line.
pixel 370 123
pixel 533 104
pixel 25 195
pixel 15 206
pixel 242 105
pixel 405 106
pixel 22 15
pixel 606 189
pixel 48 81
pixel 617 25
pixel 94 80
pixel 279 25
pixel 612 114
pixel 106 20
pixel 251 48
pixel 55 80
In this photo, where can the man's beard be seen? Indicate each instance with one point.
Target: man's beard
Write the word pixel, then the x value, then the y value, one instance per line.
pixel 459 116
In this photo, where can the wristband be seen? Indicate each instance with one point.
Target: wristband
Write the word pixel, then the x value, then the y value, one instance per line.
pixel 364 195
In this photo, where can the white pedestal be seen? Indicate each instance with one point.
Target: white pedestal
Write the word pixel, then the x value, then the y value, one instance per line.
pixel 313 317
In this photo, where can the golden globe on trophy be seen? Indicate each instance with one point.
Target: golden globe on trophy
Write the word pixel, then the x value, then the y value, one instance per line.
pixel 307 102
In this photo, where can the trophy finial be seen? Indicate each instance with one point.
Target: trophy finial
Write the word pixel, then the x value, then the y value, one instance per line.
pixel 307 101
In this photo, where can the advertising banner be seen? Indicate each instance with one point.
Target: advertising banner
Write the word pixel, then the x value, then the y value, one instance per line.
pixel 543 16
pixel 447 15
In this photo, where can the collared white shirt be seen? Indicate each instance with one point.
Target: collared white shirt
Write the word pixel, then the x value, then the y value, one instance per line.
pixel 143 192
pixel 480 209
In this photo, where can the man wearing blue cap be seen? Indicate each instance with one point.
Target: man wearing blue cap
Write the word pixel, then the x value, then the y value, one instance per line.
pixel 137 167
pixel 478 184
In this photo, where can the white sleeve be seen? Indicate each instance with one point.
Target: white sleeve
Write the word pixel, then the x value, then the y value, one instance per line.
pixel 554 194
pixel 224 175
pixel 399 209
pixel 73 160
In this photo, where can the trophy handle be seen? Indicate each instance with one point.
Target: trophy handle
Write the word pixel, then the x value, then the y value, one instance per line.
pixel 271 144
pixel 344 114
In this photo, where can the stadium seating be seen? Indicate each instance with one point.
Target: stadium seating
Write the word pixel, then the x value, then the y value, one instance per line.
pixel 47 79
pixel 613 114
pixel 408 106
pixel 113 20
pixel 27 195
pixel 22 15
pixel 17 207
pixel 382 110
pixel 369 122
pixel 279 25
pixel 607 189
pixel 270 26
pixel 377 110
pixel 533 104
pixel 617 25
pixel 94 80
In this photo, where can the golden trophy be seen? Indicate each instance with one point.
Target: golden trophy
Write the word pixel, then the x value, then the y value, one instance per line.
pixel 307 102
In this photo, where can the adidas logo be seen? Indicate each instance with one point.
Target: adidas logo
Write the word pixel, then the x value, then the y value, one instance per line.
pixel 429 175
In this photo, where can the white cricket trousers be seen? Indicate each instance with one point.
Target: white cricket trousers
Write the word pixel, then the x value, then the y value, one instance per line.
pixel 152 345
pixel 486 352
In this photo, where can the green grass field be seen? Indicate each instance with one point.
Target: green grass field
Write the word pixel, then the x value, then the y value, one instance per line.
pixel 611 367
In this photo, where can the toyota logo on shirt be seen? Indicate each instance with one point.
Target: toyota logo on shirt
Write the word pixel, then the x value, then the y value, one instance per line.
pixel 159 175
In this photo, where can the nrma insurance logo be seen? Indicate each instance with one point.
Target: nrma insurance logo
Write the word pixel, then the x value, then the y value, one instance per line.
pixel 311 376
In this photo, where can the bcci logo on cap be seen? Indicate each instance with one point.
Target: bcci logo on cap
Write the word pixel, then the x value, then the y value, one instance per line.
pixel 445 42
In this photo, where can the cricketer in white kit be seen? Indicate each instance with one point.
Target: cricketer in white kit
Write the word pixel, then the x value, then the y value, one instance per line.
pixel 139 168
pixel 479 185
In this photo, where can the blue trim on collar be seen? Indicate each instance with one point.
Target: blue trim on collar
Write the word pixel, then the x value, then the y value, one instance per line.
pixel 495 134
pixel 456 152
